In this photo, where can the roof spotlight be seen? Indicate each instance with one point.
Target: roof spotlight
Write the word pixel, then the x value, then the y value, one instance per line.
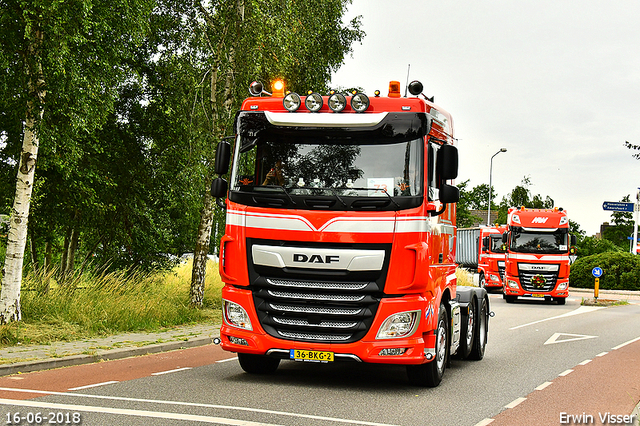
pixel 337 102
pixel 256 89
pixel 415 88
pixel 359 102
pixel 292 102
pixel 313 102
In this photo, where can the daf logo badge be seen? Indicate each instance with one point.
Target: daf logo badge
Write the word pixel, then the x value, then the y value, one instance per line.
pixel 315 258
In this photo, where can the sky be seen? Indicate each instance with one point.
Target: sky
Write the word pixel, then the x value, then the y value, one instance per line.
pixel 556 83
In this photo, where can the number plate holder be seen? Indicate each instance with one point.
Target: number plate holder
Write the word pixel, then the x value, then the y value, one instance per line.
pixel 310 356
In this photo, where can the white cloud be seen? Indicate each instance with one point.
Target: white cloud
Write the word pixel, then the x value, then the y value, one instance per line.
pixel 557 83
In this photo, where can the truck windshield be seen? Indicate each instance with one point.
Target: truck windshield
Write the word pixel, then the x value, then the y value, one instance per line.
pixel 536 241
pixel 497 246
pixel 328 171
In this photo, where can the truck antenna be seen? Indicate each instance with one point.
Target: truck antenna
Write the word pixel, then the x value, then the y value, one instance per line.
pixel 406 87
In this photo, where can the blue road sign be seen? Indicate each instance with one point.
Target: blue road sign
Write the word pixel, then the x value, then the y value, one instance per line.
pixel 597 272
pixel 617 206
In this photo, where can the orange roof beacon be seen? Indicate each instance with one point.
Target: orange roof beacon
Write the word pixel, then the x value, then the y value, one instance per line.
pixel 340 234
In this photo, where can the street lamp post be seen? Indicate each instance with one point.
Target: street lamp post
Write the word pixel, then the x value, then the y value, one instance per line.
pixel 490 183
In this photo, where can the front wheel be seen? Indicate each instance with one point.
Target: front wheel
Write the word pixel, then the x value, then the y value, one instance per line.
pixel 430 374
pixel 510 299
pixel 561 300
pixel 258 364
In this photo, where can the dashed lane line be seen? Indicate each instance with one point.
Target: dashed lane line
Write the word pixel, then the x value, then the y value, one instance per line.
pixel 95 385
pixel 515 402
pixel 160 373
pixel 544 385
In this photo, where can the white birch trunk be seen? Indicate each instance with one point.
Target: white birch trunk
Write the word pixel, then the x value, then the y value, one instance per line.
pixel 199 271
pixel 17 238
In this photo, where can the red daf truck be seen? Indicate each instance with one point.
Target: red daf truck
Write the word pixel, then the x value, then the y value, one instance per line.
pixel 481 250
pixel 340 234
pixel 538 247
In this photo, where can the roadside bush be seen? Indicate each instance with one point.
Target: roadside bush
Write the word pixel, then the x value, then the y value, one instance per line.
pixel 621 271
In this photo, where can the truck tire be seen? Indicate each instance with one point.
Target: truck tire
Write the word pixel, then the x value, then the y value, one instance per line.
pixel 561 300
pixel 480 332
pixel 430 374
pixel 258 364
pixel 481 281
pixel 467 330
pixel 510 299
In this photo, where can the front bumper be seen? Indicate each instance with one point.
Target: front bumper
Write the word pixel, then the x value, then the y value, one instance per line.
pixel 512 287
pixel 417 348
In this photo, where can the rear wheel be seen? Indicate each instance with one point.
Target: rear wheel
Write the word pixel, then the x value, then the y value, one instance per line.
pixel 430 374
pixel 258 364
pixel 480 332
pixel 468 330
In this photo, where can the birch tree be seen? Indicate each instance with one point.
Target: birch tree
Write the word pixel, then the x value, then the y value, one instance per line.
pixel 72 52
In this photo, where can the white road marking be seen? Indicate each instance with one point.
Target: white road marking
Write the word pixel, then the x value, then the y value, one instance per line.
pixel 554 339
pixel 170 371
pixel 484 422
pixel 544 385
pixel 602 353
pixel 95 385
pixel 585 362
pixel 193 404
pixel 515 402
pixel 626 343
pixel 565 373
pixel 580 310
pixel 129 412
pixel 228 359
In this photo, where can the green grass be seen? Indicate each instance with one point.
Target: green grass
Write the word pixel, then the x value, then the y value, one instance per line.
pixel 464 278
pixel 100 305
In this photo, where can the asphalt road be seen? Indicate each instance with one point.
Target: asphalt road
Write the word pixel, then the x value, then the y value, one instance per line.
pixel 531 345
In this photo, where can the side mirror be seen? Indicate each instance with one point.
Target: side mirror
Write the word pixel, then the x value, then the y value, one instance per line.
pixel 505 237
pixel 219 188
pixel 486 243
pixel 574 240
pixel 223 157
pixel 447 162
pixel 449 194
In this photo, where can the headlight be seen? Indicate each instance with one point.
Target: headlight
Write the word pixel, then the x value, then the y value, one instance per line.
pixel 236 316
pixel 359 102
pixel 337 102
pixel 563 286
pixel 494 277
pixel 313 102
pixel 291 102
pixel 513 284
pixel 399 325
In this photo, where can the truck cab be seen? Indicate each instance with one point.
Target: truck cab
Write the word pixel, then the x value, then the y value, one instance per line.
pixel 537 258
pixel 339 238
pixel 491 257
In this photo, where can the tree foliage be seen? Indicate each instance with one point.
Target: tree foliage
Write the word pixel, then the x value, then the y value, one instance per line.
pixel 634 148
pixel 139 92
pixel 621 271
pixel 521 195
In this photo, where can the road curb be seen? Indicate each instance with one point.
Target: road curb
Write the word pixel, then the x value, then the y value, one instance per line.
pixel 68 361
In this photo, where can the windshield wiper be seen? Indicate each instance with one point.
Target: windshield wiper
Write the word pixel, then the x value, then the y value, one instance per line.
pixel 280 187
